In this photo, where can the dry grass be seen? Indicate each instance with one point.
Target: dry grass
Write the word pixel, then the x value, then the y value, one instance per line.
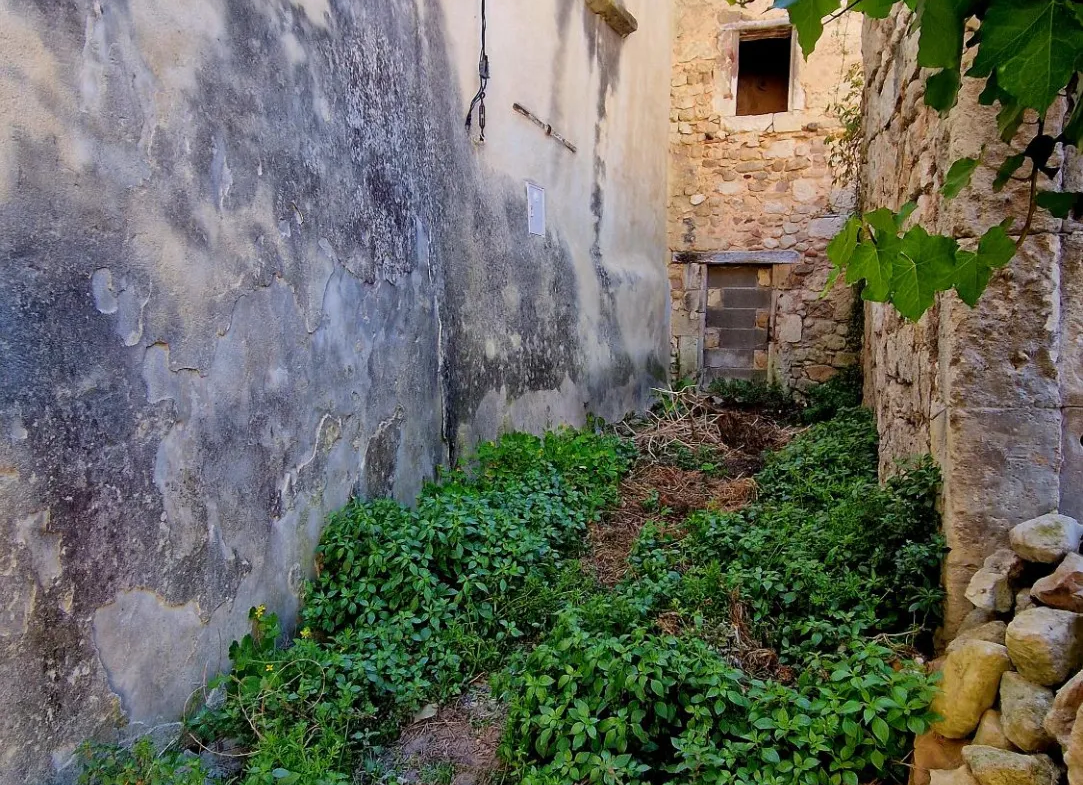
pixel 692 423
pixel 666 495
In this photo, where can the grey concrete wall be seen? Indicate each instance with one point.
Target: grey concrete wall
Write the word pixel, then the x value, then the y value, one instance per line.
pixel 251 264
pixel 992 392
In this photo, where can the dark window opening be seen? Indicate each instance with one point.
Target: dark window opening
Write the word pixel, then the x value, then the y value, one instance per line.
pixel 763 73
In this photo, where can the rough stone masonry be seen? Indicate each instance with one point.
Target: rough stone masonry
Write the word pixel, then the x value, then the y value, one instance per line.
pixel 756 192
pixel 994 393
pixel 251 263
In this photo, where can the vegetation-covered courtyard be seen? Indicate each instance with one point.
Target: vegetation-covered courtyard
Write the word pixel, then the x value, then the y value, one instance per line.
pixel 719 592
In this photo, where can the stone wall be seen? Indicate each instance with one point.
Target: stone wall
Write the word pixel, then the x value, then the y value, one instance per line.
pixel 757 184
pixel 252 263
pixel 991 392
pixel 1011 689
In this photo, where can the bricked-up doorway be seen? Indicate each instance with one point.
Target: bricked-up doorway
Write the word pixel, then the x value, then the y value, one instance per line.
pixel 738 321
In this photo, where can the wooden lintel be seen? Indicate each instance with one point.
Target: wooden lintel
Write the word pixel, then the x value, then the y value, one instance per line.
pixel 736 257
pixel 615 15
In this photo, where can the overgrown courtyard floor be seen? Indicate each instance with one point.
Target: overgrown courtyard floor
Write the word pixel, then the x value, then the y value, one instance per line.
pixel 694 452
pixel 720 591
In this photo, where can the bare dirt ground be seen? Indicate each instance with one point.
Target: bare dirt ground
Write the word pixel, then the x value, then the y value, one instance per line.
pixel 456 746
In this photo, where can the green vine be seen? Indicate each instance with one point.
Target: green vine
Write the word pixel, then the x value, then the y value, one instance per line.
pixel 1029 53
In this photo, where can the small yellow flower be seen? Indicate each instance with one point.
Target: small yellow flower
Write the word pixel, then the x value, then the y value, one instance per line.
pixel 306 633
pixel 270 668
pixel 260 610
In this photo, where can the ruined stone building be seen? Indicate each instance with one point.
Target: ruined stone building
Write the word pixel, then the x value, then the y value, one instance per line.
pixel 753 198
pixel 251 263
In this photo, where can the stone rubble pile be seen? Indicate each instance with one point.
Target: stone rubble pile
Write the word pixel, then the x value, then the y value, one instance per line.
pixel 1011 695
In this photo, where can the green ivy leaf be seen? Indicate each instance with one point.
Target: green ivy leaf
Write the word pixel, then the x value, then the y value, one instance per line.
pixel 1073 129
pixel 875 265
pixel 1040 150
pixel 841 249
pixel 904 214
pixel 991 94
pixel 1009 118
pixel 924 266
pixel 958 176
pixel 807 18
pixel 942 89
pixel 1061 205
pixel 940 43
pixel 1007 169
pixel 973 269
pixel 876 9
pixel 1034 47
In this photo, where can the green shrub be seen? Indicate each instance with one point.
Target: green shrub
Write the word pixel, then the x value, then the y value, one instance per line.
pixel 840 392
pixel 824 561
pixel 827 553
pixel 817 404
pixel 107 764
pixel 590 706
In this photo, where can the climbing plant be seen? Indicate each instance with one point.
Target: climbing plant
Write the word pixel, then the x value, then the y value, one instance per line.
pixel 1029 54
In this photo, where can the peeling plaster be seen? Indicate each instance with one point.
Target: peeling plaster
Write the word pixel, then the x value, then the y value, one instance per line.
pixel 32 532
pixel 252 266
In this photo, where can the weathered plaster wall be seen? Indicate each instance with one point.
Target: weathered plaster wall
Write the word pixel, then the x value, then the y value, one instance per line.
pixel 760 183
pixel 990 392
pixel 251 264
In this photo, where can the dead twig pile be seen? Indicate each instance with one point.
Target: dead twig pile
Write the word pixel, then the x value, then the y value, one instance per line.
pixel 666 495
pixel 748 652
pixel 695 422
pixel 694 427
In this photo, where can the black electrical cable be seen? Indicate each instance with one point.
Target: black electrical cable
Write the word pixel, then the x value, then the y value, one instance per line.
pixel 483 76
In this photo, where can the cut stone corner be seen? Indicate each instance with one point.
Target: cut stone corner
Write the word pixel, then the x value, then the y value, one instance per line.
pixel 615 15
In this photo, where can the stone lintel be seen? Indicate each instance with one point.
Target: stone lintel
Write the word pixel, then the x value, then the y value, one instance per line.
pixel 615 15
pixel 736 257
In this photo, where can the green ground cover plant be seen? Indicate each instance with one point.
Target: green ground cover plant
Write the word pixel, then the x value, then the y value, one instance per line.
pixel 835 571
pixel 410 604
pixel 819 403
pixel 106 764
pixel 834 575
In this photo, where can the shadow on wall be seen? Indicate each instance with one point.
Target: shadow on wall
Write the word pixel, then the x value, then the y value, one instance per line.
pixel 247 271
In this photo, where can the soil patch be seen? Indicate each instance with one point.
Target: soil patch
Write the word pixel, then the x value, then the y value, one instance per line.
pixel 695 454
pixel 457 745
pixel 666 495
